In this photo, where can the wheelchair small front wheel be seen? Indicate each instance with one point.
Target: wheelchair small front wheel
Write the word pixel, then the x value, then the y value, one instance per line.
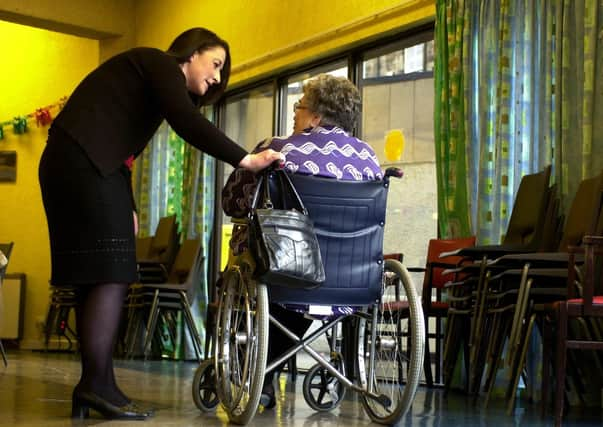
pixel 204 386
pixel 322 390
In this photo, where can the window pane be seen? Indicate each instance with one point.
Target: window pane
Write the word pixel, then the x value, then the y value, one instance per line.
pixel 248 119
pixel 407 105
pixel 293 90
pixel 429 55
pixel 413 59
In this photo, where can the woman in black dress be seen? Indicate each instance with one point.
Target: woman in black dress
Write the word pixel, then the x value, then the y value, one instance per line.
pixel 87 191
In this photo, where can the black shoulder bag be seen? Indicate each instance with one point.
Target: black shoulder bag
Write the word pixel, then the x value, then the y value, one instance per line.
pixel 283 241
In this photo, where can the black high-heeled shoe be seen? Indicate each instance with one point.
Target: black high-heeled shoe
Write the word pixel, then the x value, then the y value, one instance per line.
pixel 82 402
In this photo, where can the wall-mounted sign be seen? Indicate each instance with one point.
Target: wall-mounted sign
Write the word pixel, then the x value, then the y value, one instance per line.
pixel 8 166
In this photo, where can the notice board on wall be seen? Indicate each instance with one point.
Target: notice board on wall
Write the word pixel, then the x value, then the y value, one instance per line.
pixel 8 166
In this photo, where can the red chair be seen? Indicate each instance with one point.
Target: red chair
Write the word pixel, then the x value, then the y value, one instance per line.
pixel 434 304
pixel 587 312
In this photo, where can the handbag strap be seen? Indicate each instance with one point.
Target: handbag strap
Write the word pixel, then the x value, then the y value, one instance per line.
pixel 263 186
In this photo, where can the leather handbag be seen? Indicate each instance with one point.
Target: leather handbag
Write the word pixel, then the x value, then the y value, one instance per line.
pixel 283 240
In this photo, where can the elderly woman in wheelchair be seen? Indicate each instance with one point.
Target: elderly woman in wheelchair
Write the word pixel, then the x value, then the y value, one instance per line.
pixel 342 186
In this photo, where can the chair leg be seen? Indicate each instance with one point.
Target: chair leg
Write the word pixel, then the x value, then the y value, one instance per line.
pixel 3 354
pixel 191 325
pixel 427 358
pixel 560 361
pixel 547 348
pixel 151 324
pixel 517 368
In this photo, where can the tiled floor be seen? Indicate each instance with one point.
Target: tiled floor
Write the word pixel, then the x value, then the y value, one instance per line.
pixel 35 390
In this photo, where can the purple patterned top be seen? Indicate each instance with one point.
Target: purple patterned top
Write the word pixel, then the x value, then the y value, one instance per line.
pixel 323 151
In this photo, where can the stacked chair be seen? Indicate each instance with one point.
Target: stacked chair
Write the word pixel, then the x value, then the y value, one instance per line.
pixel 155 307
pixel 514 289
pixel 434 301
pixel 156 254
pixel 525 231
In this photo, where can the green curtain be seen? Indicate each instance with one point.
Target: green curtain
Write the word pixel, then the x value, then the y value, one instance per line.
pixel 172 177
pixel 451 63
pixel 519 85
pixel 495 114
pixel 580 148
pixel 157 180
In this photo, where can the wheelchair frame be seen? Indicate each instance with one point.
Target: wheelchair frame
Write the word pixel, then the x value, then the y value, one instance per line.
pixel 240 351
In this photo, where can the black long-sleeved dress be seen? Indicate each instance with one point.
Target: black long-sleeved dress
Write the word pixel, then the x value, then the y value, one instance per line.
pixel 86 189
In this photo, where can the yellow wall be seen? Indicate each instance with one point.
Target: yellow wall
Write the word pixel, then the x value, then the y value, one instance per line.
pixel 269 34
pixel 37 68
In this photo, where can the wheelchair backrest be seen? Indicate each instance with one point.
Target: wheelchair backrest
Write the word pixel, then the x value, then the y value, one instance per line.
pixel 349 218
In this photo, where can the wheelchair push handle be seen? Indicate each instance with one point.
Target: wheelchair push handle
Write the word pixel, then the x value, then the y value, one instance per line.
pixel 394 172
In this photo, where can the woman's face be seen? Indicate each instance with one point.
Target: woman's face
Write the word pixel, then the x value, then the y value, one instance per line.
pixel 203 69
pixel 303 117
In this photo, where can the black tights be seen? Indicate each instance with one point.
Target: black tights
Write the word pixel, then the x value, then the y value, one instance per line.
pixel 98 318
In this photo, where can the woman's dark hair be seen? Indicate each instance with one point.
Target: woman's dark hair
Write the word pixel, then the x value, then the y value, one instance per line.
pixel 199 40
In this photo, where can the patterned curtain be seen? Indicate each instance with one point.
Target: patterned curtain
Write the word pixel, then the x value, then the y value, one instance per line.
pixel 504 125
pixel 451 65
pixel 172 177
pixel 580 151
pixel 157 180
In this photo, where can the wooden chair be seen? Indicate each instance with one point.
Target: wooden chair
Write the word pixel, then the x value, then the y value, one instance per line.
pixel 586 312
pixel 435 304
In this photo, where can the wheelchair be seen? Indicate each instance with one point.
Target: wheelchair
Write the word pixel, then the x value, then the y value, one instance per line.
pixel 349 219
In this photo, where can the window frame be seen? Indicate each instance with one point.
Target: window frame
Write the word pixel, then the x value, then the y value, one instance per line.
pixel 353 55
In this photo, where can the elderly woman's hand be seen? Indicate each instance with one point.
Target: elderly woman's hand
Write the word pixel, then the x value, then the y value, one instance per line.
pixel 261 160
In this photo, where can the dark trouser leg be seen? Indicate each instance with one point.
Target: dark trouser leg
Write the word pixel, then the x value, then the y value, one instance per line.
pixel 278 342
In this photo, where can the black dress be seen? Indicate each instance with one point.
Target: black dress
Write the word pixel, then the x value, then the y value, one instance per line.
pixel 90 220
pixel 86 187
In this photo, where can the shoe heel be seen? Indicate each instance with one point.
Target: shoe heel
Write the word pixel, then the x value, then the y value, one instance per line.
pixel 79 410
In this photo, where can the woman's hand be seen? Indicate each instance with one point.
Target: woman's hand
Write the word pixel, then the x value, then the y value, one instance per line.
pixel 263 159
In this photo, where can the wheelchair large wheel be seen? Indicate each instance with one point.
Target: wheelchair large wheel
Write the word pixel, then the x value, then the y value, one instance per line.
pixel 241 345
pixel 386 353
pixel 322 390
pixel 204 386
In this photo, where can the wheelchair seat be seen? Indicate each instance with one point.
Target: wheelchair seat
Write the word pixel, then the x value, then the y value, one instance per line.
pixel 349 218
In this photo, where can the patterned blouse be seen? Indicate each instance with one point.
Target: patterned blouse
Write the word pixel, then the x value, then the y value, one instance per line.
pixel 322 151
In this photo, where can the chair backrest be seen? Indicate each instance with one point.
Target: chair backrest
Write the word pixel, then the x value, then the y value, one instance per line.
pixel 583 212
pixel 434 279
pixel 349 217
pixel 6 249
pixel 592 271
pixel 527 217
pixel 186 263
pixel 551 232
pixel 163 245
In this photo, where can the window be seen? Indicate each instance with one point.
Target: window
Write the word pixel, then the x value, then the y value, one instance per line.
pixel 292 90
pixel 395 78
pixel 397 94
